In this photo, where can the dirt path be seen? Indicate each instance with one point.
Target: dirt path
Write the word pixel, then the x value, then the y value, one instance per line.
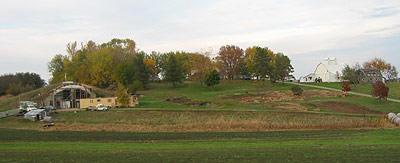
pixel 338 90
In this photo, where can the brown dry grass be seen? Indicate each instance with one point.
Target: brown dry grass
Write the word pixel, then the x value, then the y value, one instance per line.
pixel 232 125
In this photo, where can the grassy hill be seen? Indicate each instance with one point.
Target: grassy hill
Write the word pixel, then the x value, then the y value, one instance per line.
pixel 394 88
pixel 229 107
pixel 37 95
pixel 234 121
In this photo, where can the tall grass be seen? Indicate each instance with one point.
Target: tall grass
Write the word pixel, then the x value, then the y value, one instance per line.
pixel 210 121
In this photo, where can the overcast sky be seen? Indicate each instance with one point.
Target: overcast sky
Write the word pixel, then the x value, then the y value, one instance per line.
pixel 33 31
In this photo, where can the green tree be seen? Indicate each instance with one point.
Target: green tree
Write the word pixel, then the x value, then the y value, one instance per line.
pixel 124 73
pixel 243 69
pixel 174 70
pixel 15 88
pixel 122 94
pixel 212 78
pixel 263 63
pixel 56 68
pixel 141 71
pixel 349 73
pixel 135 86
pixel 101 63
pixel 283 68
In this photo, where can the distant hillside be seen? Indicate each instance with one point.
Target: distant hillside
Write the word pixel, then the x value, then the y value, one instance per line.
pixel 38 95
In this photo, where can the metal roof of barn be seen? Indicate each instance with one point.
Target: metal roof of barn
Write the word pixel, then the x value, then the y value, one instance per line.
pixel 35 112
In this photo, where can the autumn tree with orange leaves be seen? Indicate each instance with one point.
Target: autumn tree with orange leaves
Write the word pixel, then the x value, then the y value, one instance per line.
pixel 199 65
pixel 230 57
pixel 387 70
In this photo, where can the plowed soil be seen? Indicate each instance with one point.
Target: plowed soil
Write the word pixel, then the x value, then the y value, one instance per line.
pixel 343 107
pixel 273 96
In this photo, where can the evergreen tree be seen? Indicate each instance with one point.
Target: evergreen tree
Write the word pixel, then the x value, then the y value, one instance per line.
pixel 174 71
pixel 211 79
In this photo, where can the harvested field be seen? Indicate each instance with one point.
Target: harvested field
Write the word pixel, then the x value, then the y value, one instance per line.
pixel 273 96
pixel 343 107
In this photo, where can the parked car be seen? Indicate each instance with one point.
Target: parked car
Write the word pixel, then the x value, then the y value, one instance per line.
pixel 101 107
pixel 50 108
pixel 30 107
pixel 245 77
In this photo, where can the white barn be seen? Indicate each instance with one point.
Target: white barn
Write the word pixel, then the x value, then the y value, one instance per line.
pixel 328 70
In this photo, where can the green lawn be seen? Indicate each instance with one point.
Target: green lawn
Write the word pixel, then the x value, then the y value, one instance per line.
pixel 394 88
pixel 314 146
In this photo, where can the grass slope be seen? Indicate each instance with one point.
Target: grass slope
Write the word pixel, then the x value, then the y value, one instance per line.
pixel 394 88
pixel 36 95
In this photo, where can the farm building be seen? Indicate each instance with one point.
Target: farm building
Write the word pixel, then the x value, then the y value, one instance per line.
pixel 107 101
pixel 328 70
pixel 69 95
pixel 369 76
pixel 35 115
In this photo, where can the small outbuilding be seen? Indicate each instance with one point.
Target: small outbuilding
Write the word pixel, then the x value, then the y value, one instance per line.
pixel 108 101
pixel 369 76
pixel 35 115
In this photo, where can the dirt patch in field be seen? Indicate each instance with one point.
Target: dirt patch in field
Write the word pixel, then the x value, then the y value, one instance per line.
pixel 289 107
pixel 343 107
pixel 187 101
pixel 273 96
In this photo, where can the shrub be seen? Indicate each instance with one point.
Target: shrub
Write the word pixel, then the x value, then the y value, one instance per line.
pixel 380 90
pixel 212 78
pixel 297 90
pixel 346 86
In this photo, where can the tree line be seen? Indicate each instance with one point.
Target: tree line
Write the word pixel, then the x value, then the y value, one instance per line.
pixel 19 83
pixel 120 62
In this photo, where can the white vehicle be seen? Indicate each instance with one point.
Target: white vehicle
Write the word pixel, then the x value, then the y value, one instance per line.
pixel 30 107
pixel 101 107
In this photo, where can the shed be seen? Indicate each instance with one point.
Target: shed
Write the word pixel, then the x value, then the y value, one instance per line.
pixel 108 101
pixel 369 76
pixel 35 115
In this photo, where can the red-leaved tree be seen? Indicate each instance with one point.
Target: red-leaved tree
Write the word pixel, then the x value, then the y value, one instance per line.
pixel 380 90
pixel 346 87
